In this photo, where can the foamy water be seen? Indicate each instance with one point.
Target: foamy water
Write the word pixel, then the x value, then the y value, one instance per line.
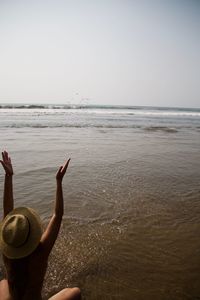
pixel 131 226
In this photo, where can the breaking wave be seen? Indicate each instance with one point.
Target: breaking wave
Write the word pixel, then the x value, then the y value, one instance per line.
pixel 143 110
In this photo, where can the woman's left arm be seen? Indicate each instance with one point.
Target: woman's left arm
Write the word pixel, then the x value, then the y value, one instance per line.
pixel 8 184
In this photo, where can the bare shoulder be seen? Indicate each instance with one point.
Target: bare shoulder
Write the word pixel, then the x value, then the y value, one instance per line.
pixel 51 233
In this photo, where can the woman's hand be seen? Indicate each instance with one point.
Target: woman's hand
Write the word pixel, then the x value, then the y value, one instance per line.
pixel 61 171
pixel 6 163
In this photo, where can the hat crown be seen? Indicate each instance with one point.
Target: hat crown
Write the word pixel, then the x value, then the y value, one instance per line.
pixel 16 230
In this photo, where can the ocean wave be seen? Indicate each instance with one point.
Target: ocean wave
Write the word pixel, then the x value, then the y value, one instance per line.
pixel 65 106
pixel 151 109
pixel 101 126
pixel 69 126
pixel 161 128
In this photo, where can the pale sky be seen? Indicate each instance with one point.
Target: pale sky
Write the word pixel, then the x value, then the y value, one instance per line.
pixel 127 52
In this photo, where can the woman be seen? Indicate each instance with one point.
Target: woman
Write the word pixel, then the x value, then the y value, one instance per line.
pixel 25 247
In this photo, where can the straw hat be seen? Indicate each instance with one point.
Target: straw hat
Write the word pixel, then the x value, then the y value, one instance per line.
pixel 20 232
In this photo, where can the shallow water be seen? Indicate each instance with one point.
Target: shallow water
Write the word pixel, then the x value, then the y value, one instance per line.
pixel 131 226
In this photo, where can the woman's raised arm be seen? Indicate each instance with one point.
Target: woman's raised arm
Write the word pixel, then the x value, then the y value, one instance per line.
pixel 8 184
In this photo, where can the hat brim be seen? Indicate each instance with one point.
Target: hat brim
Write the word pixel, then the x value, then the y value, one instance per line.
pixel 33 238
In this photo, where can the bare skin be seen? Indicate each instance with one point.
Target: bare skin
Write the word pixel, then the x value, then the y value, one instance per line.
pixel 25 276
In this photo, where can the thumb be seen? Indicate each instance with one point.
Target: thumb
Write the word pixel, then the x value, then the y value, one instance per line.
pixel 3 164
pixel 59 171
pixel 1 161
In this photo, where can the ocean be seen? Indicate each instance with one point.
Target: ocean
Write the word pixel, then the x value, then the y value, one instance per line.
pixel 131 228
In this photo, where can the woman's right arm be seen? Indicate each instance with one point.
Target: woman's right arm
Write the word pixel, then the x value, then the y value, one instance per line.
pixel 50 235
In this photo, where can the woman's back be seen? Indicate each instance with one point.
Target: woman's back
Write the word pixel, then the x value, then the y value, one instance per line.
pixel 26 275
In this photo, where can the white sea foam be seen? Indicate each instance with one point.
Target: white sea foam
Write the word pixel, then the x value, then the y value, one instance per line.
pixel 41 116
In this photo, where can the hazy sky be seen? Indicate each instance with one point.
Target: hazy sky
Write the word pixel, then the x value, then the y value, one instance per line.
pixel 100 51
